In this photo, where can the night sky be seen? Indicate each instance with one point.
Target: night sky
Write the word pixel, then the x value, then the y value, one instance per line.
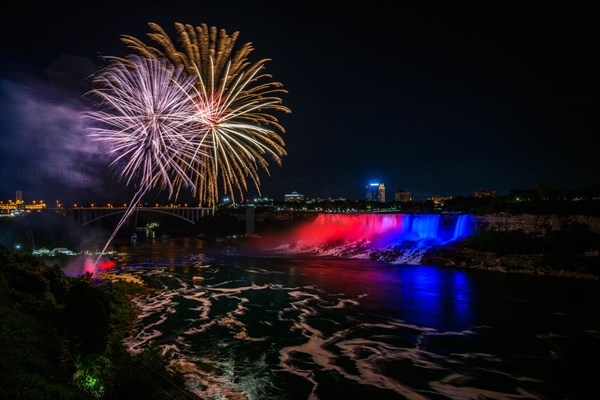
pixel 432 98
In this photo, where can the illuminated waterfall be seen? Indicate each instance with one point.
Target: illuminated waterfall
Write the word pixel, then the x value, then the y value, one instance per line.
pixel 406 236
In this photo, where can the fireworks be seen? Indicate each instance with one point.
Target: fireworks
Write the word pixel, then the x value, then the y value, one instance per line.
pixel 145 121
pixel 233 100
pixel 190 118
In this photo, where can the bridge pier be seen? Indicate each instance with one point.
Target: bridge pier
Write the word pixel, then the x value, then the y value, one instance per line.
pixel 250 219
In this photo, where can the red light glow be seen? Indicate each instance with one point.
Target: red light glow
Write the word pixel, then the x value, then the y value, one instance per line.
pixel 107 265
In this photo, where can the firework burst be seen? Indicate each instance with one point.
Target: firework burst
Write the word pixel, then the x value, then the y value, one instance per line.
pixel 233 99
pixel 145 118
pixel 199 118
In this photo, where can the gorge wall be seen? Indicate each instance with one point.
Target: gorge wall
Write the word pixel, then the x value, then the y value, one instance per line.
pixel 532 223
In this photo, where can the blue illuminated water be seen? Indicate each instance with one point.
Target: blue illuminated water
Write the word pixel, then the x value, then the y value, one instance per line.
pixel 435 227
pixel 463 227
pixel 299 328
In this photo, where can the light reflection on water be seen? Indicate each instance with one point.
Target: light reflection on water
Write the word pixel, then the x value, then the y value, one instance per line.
pixel 332 328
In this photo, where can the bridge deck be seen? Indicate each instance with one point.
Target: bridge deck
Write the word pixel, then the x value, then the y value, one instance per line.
pixel 87 215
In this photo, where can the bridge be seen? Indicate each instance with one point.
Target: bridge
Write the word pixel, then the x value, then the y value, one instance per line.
pixel 88 215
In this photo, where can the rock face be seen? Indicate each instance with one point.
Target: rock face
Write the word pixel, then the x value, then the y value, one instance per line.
pixel 532 223
pixel 549 259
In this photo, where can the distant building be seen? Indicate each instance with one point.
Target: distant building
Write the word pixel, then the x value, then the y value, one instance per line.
pixel 294 197
pixel 40 252
pixel 19 196
pixel 403 196
pixel 264 200
pixel 372 193
pixel 61 250
pixel 439 201
pixel 485 193
pixel 381 193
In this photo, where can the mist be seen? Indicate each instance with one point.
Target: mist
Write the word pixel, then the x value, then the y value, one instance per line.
pixel 44 150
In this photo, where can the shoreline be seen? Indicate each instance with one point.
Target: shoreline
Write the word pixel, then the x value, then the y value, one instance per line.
pixel 581 267
pixel 562 274
pixel 191 373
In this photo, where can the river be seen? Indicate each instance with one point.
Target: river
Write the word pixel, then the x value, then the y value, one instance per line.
pixel 329 328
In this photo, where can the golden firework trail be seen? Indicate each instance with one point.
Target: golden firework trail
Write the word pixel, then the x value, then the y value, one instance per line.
pixel 233 98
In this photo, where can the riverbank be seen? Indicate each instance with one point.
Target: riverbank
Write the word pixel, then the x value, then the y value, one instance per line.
pixel 120 276
pixel 63 337
pixel 570 250
pixel 508 264
pixel 500 266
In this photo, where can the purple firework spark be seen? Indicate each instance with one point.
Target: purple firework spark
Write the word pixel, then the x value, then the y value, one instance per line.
pixel 145 118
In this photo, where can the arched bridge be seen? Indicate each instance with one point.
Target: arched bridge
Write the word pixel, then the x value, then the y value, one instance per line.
pixel 87 215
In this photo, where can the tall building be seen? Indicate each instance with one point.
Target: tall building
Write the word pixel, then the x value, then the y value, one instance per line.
pixel 403 196
pixel 381 193
pixel 293 197
pixel 19 196
pixel 372 191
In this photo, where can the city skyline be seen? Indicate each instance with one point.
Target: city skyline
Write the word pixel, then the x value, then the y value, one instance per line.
pixel 430 107
pixel 375 192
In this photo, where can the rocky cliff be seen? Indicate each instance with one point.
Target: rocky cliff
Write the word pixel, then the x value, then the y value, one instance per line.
pixel 533 223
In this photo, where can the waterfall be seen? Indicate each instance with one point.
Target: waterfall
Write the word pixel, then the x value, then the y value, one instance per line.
pixel 463 227
pixel 401 238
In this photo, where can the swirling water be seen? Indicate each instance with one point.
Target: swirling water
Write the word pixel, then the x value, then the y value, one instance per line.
pixel 317 328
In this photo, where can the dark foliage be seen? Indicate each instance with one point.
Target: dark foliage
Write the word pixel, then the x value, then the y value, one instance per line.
pixel 87 312
pixel 62 338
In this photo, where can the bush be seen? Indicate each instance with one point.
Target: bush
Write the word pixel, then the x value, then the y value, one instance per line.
pixel 62 338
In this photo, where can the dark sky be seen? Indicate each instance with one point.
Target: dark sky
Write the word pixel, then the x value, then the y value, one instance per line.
pixel 435 98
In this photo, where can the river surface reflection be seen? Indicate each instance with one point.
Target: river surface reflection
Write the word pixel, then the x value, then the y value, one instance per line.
pixel 298 328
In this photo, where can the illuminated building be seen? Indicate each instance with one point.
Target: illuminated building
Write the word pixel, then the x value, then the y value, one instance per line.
pixel 439 201
pixel 61 250
pixel 372 191
pixel 265 200
pixel 293 197
pixel 40 252
pixel 485 193
pixel 19 196
pixel 14 208
pixel 36 205
pixel 375 192
pixel 381 193
pixel 402 195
